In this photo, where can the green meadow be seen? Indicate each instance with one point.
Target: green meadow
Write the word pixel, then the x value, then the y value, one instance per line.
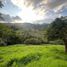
pixel 33 56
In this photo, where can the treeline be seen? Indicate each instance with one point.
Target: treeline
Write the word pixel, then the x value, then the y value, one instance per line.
pixel 11 35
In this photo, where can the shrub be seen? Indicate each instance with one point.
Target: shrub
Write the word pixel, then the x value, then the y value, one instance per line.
pixel 2 42
pixel 32 41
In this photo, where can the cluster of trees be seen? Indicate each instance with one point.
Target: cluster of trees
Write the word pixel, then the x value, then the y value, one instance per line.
pixel 31 37
pixel 58 30
pixel 10 35
pixel 7 35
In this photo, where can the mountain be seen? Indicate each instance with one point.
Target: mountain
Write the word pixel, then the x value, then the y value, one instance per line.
pixel 38 25
pixel 28 26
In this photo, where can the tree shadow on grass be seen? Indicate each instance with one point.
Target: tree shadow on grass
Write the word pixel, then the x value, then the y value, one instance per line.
pixel 10 63
pixel 1 59
pixel 30 58
pixel 25 60
pixel 59 54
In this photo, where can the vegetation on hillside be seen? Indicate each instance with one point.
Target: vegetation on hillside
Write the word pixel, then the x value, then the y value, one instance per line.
pixel 11 35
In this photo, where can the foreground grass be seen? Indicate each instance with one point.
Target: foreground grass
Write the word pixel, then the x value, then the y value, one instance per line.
pixel 33 56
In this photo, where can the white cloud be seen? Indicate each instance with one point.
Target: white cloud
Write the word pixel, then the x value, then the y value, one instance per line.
pixel 28 13
pixel 60 8
pixel 32 10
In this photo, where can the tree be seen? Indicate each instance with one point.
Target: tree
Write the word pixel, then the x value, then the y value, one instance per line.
pixel 58 30
pixel 7 35
pixel 1 4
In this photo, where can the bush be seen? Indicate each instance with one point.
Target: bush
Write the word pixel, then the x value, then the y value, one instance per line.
pixel 2 42
pixel 33 41
pixel 56 42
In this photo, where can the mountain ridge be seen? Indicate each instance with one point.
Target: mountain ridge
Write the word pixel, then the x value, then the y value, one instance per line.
pixel 28 26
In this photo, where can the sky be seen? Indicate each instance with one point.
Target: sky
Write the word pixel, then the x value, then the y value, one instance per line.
pixel 35 10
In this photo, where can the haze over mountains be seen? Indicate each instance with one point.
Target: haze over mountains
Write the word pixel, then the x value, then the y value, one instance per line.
pixel 27 26
pixel 15 22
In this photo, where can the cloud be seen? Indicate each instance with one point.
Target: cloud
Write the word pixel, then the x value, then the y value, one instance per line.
pixel 7 18
pixel 28 13
pixel 43 8
pixel 60 8
pixel 45 3
pixel 41 4
pixel 55 3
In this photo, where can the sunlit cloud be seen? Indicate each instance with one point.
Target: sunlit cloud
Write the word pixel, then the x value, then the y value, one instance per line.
pixel 33 10
pixel 28 13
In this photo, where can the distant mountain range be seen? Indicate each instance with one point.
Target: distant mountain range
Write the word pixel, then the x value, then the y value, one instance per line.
pixel 27 26
pixel 37 25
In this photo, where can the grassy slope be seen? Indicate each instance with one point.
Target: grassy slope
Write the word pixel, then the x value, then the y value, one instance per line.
pixel 33 56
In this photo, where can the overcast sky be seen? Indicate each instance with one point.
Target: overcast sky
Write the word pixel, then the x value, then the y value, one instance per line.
pixel 35 10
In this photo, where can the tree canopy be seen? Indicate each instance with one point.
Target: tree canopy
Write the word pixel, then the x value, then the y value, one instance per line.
pixel 58 30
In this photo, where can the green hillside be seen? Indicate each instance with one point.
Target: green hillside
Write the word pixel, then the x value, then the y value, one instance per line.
pixel 33 56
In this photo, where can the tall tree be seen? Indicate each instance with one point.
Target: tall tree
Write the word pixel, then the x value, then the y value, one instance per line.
pixel 1 4
pixel 58 30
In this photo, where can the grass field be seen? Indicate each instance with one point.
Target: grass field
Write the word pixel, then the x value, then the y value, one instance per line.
pixel 33 56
